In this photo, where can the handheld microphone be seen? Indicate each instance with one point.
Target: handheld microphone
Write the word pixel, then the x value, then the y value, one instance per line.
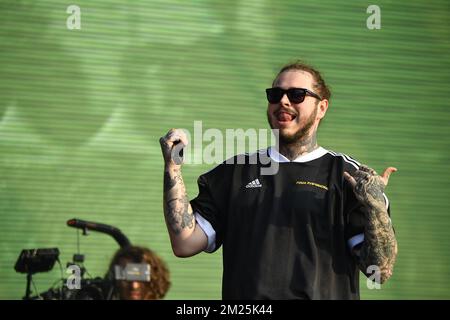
pixel 121 239
pixel 178 152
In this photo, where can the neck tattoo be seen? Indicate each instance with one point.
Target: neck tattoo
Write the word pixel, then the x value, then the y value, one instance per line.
pixel 299 148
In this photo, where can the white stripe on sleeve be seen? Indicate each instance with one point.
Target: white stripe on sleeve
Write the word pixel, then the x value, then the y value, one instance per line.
pixel 386 200
pixel 208 230
pixel 355 240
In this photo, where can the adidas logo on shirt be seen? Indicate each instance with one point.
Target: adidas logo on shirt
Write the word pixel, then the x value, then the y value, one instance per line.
pixel 254 184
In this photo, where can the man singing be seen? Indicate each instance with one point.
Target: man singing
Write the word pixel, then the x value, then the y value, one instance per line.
pixel 301 233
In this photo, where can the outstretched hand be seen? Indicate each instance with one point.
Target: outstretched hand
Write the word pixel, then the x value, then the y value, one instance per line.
pixel 369 186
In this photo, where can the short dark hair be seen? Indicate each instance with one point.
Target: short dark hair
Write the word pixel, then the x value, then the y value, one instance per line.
pixel 320 86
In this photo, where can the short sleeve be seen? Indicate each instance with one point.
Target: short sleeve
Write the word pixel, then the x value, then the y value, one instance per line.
pixel 206 205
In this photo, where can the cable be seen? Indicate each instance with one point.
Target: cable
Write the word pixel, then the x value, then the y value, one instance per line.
pixel 78 241
pixel 62 278
pixel 35 288
pixel 85 270
pixel 78 252
pixel 54 283
pixel 61 269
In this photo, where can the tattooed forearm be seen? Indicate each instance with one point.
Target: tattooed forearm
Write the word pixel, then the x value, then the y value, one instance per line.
pixel 380 245
pixel 172 214
pixel 169 181
pixel 369 190
pixel 176 204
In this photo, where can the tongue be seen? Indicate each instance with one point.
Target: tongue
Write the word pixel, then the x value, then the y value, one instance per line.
pixel 283 116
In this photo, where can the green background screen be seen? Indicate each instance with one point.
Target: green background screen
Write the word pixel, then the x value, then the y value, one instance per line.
pixel 81 113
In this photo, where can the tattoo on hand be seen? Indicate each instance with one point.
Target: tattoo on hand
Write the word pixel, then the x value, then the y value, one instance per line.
pixel 380 245
pixel 369 188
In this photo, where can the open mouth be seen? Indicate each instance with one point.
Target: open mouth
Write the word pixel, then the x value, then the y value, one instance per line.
pixel 284 117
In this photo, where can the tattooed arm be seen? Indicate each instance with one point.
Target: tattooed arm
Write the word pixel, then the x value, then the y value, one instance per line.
pixel 380 246
pixel 186 236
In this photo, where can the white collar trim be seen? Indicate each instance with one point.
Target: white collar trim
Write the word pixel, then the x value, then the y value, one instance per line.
pixel 278 157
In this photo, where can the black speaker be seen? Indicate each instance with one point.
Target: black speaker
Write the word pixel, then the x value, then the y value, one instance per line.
pixel 31 261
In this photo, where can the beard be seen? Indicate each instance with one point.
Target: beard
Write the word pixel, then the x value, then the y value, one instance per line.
pixel 298 136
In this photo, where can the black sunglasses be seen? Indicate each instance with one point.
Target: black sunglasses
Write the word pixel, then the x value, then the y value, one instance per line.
pixel 295 95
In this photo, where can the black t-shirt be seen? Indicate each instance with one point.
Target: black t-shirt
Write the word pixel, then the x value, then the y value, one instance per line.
pixel 288 235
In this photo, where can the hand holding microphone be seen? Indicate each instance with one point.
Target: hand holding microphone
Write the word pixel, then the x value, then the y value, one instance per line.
pixel 172 145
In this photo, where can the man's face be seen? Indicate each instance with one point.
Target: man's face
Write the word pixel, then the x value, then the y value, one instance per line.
pixel 295 120
pixel 131 290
